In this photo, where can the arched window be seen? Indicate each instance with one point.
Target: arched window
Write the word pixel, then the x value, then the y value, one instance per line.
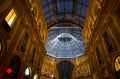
pixel 24 42
pixel 117 63
pixel 35 76
pixel 27 73
pixel 117 66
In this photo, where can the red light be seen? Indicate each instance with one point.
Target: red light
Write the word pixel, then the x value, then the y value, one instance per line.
pixel 9 70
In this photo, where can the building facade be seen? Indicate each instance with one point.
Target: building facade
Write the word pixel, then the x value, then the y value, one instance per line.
pixel 102 35
pixel 23 34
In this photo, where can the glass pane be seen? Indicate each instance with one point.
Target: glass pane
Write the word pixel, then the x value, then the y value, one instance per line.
pixel 25 39
pixel 85 2
pixel 60 7
pixel 83 12
pixel 107 39
pixel 68 6
pixel 44 2
pixel 10 17
pixel 79 9
pixel 49 1
pixel 45 10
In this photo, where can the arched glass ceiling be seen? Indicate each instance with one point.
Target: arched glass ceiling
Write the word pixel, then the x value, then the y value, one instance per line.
pixel 64 11
pixel 65 41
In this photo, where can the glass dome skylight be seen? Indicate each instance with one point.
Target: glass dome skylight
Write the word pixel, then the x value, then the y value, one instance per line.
pixel 65 42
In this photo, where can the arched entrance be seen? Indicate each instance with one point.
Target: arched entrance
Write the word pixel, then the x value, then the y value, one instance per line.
pixel 15 65
pixel 117 66
pixel 65 69
pixel 27 73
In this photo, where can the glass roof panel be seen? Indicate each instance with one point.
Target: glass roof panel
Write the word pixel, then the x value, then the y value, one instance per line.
pixel 44 2
pixel 56 11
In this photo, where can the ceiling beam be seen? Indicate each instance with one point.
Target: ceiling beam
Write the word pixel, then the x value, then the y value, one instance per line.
pixel 64 22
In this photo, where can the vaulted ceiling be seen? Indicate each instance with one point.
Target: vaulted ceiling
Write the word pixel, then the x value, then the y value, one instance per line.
pixel 64 11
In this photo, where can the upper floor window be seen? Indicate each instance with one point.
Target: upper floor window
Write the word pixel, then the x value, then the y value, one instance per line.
pixel 33 55
pixel 33 52
pixel 39 64
pixel 98 55
pixel 10 18
pixel 108 41
pixel 24 42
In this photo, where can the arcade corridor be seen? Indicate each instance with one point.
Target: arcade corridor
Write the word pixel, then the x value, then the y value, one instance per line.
pixel 59 39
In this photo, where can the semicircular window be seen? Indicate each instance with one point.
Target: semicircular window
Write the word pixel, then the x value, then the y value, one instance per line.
pixel 65 42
